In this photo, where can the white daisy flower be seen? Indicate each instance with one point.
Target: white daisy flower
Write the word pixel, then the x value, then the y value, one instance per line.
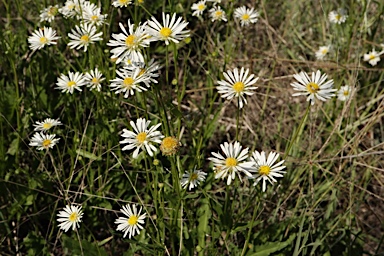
pixel 315 87
pixel 70 216
pixel 246 16
pixel 214 1
pixel 372 57
pixel 322 52
pixel 128 82
pixel 150 71
pixel 338 17
pixel 69 83
pixel 133 59
pixel 72 8
pixel 121 3
pixel 129 42
pixel 171 31
pixel 93 79
pixel 237 85
pixel 133 224
pixel 49 13
pixel 47 124
pixel 232 162
pixel 344 93
pixel 266 170
pixel 83 36
pixel 192 178
pixel 142 137
pixel 198 8
pixel 92 15
pixel 43 141
pixel 216 13
pixel 41 38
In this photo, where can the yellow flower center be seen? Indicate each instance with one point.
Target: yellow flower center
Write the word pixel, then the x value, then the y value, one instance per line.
pixel 130 40
pixel 128 81
pixel 133 220
pixel 238 87
pixel 95 80
pixel 94 17
pixel 338 16
pixel 123 1
pixel 218 14
pixel 245 16
pixel 140 1
pixel 324 51
pixel 53 11
pixel 141 137
pixel 46 143
pixel 43 40
pixel 371 57
pixel 165 32
pixel 346 93
pixel 84 39
pixel 230 162
pixel 73 217
pixel 313 87
pixel 193 176
pixel 47 125
pixel 71 6
pixel 169 146
pixel 201 7
pixel 71 83
pixel 264 170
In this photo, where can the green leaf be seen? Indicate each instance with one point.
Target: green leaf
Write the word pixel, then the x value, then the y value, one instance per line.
pixel 87 154
pixel 204 213
pixel 272 247
pixel 73 247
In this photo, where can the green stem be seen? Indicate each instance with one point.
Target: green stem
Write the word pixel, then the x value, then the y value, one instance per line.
pixel 297 131
pixel 250 229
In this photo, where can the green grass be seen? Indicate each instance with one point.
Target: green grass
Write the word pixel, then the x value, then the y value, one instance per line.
pixel 330 202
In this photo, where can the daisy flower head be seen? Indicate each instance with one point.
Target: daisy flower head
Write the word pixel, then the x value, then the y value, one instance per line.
pixel 69 83
pixel 171 31
pixel 49 13
pixel 192 178
pixel 216 13
pixel 132 224
pixel 150 71
pixel 121 3
pixel 198 8
pixel 315 87
pixel 372 57
pixel 322 52
pixel 42 37
pixel 169 146
pixel 142 137
pixel 133 59
pixel 233 162
pixel 214 1
pixel 83 36
pixel 69 217
pixel 237 84
pixel 338 17
pixel 92 15
pixel 246 16
pixel 128 82
pixel 93 79
pixel 72 8
pixel 129 42
pixel 43 141
pixel 47 124
pixel 266 169
pixel 344 93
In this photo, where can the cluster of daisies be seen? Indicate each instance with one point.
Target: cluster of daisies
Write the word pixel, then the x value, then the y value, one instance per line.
pixel 339 17
pixel 41 139
pixel 243 14
pixel 72 214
